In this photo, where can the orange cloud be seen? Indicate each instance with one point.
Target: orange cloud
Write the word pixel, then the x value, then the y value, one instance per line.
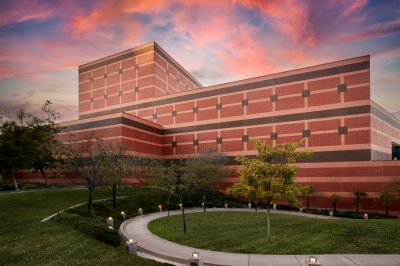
pixel 355 5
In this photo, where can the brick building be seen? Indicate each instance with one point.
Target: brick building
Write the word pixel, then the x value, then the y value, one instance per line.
pixel 146 98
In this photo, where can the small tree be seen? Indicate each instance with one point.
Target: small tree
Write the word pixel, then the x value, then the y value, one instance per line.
pixel 335 198
pixel 270 176
pixel 114 165
pixel 171 177
pixel 86 159
pixel 205 170
pixel 307 191
pixel 359 194
pixel 390 193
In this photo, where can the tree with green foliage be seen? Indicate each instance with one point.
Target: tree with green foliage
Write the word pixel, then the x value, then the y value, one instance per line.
pixel 85 159
pixel 307 191
pixel 270 175
pixel 113 166
pixel 171 176
pixel 390 193
pixel 335 198
pixel 359 194
pixel 205 170
pixel 48 148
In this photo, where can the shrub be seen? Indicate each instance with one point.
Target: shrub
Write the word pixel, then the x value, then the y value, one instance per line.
pixel 88 227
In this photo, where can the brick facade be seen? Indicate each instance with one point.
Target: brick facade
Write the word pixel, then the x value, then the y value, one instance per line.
pixel 146 98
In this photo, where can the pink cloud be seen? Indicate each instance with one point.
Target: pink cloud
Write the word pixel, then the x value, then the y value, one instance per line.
pixel 25 10
pixel 355 5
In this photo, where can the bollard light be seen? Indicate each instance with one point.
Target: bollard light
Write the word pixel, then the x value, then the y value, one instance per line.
pixel 274 207
pixel 160 208
pixel 365 216
pixel 195 260
pixel 313 261
pixel 331 213
pixel 202 205
pixel 110 222
pixel 123 215
pixel 249 205
pixel 226 205
pixel 131 246
pixel 301 209
pixel 180 206
pixel 140 211
pixel 111 227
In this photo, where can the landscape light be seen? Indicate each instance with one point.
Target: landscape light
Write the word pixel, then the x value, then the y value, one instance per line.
pixel 140 211
pixel 195 260
pixel 123 215
pixel 195 255
pixel 249 205
pixel 365 216
pixel 111 228
pixel 160 208
pixel 202 205
pixel 131 246
pixel 180 206
pixel 313 261
pixel 110 222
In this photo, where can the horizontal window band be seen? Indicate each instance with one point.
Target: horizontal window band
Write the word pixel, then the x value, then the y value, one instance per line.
pixel 221 125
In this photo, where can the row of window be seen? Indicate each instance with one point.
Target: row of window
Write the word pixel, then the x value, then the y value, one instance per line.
pixel 274 136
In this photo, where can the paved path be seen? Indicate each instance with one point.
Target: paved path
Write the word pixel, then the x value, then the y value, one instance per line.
pixel 152 246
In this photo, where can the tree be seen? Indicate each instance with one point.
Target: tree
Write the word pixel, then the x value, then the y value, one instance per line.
pixel 307 191
pixel 113 166
pixel 204 171
pixel 270 176
pixel 171 177
pixel 17 147
pixel 359 194
pixel 48 148
pixel 85 159
pixel 390 193
pixel 335 198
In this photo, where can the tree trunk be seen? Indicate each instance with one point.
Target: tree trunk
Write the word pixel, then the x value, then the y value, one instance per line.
pixel 90 183
pixel 387 209
pixel 41 169
pixel 256 205
pixel 169 196
pixel 268 223
pixel 308 201
pixel 183 216
pixel 358 203
pixel 114 195
pixel 204 200
pixel 334 206
pixel 15 181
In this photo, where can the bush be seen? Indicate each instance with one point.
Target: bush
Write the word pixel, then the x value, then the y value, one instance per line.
pixel 86 226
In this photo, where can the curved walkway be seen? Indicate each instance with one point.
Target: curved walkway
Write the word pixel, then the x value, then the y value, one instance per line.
pixel 152 246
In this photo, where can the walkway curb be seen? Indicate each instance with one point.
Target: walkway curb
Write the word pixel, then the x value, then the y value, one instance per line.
pixel 152 246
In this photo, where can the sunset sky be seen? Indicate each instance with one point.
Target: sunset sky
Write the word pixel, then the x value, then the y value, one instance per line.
pixel 42 43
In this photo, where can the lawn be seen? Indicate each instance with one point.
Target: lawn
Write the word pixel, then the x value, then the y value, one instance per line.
pixel 244 232
pixel 26 241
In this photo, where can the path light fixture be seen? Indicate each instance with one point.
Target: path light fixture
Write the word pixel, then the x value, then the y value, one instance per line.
pixel 110 222
pixel 249 205
pixel 226 205
pixel 180 206
pixel 160 208
pixel 196 259
pixel 131 246
pixel 365 216
pixel 274 207
pixel 313 261
pixel 140 211
pixel 123 215
pixel 111 227
pixel 202 205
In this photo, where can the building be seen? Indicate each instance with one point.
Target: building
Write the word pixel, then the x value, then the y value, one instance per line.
pixel 143 96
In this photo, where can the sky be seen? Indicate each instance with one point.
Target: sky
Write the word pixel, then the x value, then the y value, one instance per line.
pixel 42 43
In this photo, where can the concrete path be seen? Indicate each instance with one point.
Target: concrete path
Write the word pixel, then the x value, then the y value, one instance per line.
pixel 154 247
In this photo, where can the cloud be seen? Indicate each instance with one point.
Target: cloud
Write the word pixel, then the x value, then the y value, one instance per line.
pixel 24 10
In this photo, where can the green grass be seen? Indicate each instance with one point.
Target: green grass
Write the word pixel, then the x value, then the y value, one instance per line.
pixel 26 241
pixel 244 232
